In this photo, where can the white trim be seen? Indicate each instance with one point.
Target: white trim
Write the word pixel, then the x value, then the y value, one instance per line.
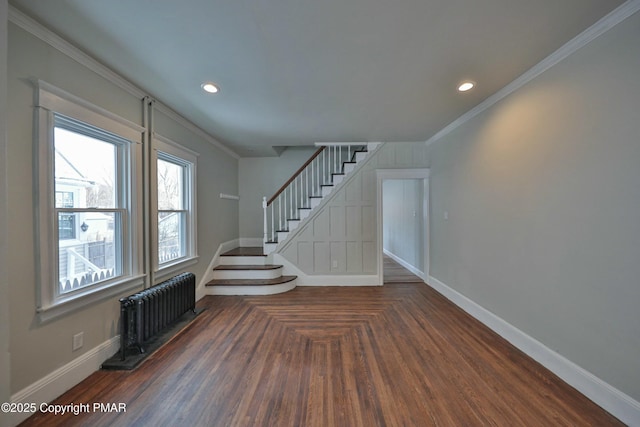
pixel 5 356
pixel 339 144
pixel 290 269
pixel 50 100
pixel 603 25
pixel 229 196
pixel 62 379
pixel 415 173
pixel 36 29
pixel 611 399
pixel 405 264
pixel 201 290
pixel 58 100
pixel 252 290
pixel 173 152
pixel 315 210
pixel 179 149
pixel 167 111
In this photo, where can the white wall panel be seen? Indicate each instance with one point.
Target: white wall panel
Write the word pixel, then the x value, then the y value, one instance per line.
pixel 345 229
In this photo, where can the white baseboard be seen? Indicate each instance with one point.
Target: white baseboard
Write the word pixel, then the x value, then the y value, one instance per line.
pixel 324 279
pixel 620 405
pixel 62 379
pixel 405 264
pixel 208 275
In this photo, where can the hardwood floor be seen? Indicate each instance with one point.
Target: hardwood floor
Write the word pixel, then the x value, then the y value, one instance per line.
pixel 397 355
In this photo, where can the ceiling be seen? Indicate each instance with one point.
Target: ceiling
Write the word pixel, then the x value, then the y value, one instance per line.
pixel 294 72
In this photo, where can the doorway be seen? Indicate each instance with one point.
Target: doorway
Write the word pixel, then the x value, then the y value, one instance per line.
pixel 403 220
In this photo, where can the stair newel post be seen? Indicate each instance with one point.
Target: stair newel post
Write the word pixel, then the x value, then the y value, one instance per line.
pixel 266 231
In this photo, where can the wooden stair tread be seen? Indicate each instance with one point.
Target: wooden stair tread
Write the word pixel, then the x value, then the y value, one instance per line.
pixel 251 282
pixel 248 267
pixel 245 251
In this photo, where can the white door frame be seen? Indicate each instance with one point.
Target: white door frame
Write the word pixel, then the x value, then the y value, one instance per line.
pixel 385 174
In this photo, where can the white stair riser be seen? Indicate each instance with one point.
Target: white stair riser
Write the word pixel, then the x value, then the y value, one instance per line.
pixel 282 235
pixel 304 213
pixel 337 179
pixel 242 260
pixel 315 202
pixel 349 167
pixel 293 224
pixel 269 247
pixel 360 156
pixel 326 191
pixel 251 290
pixel 247 274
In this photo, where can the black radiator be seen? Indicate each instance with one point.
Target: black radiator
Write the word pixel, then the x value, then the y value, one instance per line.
pixel 146 313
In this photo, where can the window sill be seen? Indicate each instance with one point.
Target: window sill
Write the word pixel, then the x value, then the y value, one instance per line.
pixel 82 301
pixel 170 269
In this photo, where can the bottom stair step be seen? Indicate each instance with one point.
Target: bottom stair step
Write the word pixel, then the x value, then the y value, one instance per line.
pixel 251 282
pixel 277 285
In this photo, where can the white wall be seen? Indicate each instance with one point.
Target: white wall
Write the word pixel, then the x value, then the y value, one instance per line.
pixel 37 350
pixel 543 196
pixel 262 177
pixel 403 231
pixel 5 379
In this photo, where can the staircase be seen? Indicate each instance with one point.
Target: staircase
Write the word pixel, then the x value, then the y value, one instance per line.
pixel 306 189
pixel 244 271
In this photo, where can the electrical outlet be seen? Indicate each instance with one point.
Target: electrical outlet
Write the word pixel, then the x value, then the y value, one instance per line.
pixel 78 341
pixel 334 264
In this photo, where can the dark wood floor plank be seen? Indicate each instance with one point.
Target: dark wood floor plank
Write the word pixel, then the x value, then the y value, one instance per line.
pixel 397 355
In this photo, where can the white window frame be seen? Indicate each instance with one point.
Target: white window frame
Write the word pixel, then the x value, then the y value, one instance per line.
pixel 168 150
pixel 51 101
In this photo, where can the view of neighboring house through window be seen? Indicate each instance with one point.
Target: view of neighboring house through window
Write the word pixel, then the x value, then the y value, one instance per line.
pixel 171 212
pixel 175 183
pixel 87 204
pixel 89 190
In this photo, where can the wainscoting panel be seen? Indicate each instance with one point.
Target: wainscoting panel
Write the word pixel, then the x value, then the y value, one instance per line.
pixel 342 236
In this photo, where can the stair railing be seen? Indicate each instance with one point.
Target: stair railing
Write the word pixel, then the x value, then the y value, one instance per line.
pixel 304 185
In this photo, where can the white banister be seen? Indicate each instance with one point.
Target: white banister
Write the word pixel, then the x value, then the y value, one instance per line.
pixel 266 228
pixel 307 183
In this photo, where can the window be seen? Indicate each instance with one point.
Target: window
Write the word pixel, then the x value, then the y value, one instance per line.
pixel 85 164
pixel 89 219
pixel 175 201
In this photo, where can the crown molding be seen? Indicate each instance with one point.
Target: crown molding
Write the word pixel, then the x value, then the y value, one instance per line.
pixel 172 114
pixel 65 47
pixel 603 25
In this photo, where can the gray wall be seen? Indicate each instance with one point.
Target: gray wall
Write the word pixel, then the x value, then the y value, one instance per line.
pixel 4 284
pixel 262 177
pixel 402 220
pixel 543 196
pixel 37 350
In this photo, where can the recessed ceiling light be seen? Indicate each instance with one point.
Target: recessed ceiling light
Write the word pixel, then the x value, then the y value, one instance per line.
pixel 466 85
pixel 210 87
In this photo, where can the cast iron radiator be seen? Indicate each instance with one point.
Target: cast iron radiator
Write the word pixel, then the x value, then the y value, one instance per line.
pixel 146 313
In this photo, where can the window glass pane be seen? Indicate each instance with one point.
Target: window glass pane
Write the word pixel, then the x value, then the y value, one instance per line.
pixel 171 235
pixel 90 256
pixel 85 171
pixel 170 182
